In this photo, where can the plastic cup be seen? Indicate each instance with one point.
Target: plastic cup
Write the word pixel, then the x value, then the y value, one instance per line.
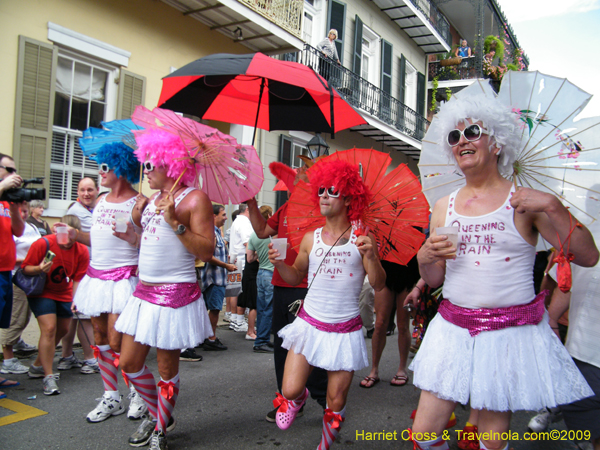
pixel 62 235
pixel 121 219
pixel 452 233
pixel 280 244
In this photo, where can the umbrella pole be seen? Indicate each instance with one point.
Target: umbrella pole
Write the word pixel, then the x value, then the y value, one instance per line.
pixel 262 88
pixel 141 174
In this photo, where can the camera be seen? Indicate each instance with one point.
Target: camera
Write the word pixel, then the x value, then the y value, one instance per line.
pixel 22 194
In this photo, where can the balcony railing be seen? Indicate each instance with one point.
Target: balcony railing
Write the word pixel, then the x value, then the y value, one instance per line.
pixel 285 13
pixel 361 94
pixel 435 18
pixel 466 70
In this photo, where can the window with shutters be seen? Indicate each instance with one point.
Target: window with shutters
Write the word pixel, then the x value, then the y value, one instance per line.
pixel 370 55
pixel 81 101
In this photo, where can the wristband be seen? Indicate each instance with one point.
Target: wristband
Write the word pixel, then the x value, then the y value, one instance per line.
pixel 416 286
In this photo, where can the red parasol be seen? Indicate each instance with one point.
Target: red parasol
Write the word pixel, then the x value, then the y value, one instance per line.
pixel 398 205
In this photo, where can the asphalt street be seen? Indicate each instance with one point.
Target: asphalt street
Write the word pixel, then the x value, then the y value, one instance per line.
pixel 222 405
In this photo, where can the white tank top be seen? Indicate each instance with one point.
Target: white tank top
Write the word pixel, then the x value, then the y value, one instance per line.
pixel 163 258
pixel 494 264
pixel 108 251
pixel 333 297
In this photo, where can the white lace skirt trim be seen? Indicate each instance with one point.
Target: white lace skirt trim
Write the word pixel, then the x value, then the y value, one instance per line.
pixel 95 296
pixel 329 351
pixel 517 368
pixel 163 327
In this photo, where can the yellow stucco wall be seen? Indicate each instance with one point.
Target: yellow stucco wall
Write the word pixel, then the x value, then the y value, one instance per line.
pixel 157 35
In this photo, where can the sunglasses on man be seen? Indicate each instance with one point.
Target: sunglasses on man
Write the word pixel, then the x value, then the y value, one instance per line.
pixel 331 192
pixel 9 169
pixel 471 133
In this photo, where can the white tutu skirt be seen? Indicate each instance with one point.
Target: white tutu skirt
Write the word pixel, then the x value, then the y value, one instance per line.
pixel 163 327
pixel 95 296
pixel 329 351
pixel 517 368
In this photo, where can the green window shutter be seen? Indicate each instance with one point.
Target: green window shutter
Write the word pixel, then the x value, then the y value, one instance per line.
pixel 402 78
pixel 337 19
pixel 386 81
pixel 401 91
pixel 357 55
pixel 386 66
pixel 420 93
pixel 285 156
pixel 34 108
pixel 132 92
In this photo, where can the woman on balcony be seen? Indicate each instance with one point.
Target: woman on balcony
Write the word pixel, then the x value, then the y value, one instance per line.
pixel 329 50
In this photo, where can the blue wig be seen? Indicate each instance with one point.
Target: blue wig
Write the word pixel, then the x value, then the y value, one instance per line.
pixel 121 159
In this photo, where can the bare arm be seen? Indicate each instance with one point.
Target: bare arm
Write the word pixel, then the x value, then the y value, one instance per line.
pixel 293 275
pixel 259 224
pixel 217 262
pixel 367 246
pixel 559 303
pixel 251 255
pixel 16 221
pixel 74 234
pixel 432 255
pixel 140 204
pixel 195 213
pixel 554 223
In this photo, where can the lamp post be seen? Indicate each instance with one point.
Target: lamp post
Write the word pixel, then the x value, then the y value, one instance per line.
pixel 317 147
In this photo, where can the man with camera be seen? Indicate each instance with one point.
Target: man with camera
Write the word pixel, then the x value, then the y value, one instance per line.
pixel 11 224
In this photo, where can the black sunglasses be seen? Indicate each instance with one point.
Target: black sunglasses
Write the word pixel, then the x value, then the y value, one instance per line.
pixel 149 166
pixel 331 192
pixel 472 133
pixel 9 169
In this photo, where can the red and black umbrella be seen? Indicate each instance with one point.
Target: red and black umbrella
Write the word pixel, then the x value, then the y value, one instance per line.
pixel 259 91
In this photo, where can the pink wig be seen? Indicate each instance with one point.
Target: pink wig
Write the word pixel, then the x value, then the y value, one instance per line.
pixel 346 179
pixel 166 150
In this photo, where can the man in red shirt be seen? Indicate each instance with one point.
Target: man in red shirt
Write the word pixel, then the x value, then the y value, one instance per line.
pixel 284 295
pixel 11 224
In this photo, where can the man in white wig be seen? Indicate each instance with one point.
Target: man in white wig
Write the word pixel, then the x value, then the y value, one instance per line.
pixel 490 344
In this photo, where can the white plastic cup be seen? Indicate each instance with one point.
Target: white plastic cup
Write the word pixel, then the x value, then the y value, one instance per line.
pixel 121 219
pixel 452 233
pixel 280 244
pixel 62 235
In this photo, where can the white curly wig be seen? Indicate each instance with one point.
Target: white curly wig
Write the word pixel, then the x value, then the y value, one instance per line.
pixel 501 123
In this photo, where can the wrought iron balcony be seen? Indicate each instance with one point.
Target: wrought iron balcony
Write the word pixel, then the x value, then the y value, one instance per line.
pixel 435 17
pixel 285 13
pixel 361 94
pixel 448 70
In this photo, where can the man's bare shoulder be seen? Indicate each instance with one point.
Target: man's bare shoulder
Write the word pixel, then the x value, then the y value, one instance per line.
pixel 195 199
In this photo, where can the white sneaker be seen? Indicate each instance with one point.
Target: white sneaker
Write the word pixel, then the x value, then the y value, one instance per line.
pixel 23 346
pixel 13 366
pixel 227 317
pixel 107 407
pixel 69 363
pixel 137 405
pixel 90 366
pixel 241 327
pixel 543 419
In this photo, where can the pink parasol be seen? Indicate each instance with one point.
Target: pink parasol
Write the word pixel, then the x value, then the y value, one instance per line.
pixel 226 171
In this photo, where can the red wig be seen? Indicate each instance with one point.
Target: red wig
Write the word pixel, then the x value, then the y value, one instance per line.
pixel 346 179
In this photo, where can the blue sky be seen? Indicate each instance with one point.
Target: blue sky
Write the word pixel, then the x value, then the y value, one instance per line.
pixel 561 38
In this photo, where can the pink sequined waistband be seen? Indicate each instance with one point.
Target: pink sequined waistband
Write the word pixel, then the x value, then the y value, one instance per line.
pixel 118 274
pixel 343 327
pixel 176 295
pixel 490 319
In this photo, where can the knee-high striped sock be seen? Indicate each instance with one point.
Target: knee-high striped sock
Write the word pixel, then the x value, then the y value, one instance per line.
pixel 108 370
pixel 145 385
pixel 332 422
pixel 168 390
pixel 434 444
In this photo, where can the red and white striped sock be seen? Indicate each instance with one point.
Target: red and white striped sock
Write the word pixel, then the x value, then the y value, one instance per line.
pixel 108 371
pixel 332 422
pixel 145 385
pixel 168 390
